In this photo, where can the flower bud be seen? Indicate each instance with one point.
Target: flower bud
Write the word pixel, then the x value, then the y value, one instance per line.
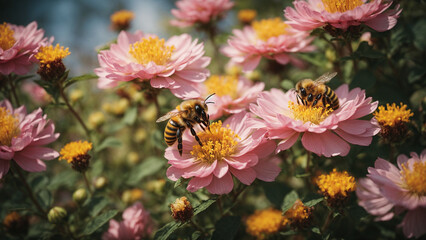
pixel 100 182
pixel 182 209
pixel 76 95
pixel 96 119
pixel 56 215
pixel 80 196
pixel 131 196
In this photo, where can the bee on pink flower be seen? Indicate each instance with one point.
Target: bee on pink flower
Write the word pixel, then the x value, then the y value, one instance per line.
pixel 18 45
pixel 228 150
pixel 22 137
pixel 310 14
pixel 190 12
pixel 323 131
pixel 390 190
pixel 178 64
pixel 269 38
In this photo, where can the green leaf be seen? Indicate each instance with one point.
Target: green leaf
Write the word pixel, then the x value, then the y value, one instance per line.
pixel 178 183
pixel 45 198
pixel 364 79
pixel 148 167
pixel 130 116
pixel 313 202
pixel 108 142
pixel 226 228
pixel 316 230
pixel 39 182
pixel 288 233
pixel 275 192
pixel 287 84
pixel 203 206
pixel 365 50
pixel 168 229
pixel 419 30
pixel 98 222
pixel 83 77
pixel 96 205
pixel 289 200
pixel 66 178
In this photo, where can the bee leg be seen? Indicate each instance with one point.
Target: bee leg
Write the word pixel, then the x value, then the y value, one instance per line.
pixel 316 99
pixel 179 137
pixel 193 132
pixel 298 97
pixel 200 123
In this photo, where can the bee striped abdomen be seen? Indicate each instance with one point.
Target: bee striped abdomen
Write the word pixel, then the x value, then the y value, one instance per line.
pixel 170 132
pixel 333 100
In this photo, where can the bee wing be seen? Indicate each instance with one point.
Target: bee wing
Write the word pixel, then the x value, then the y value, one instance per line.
pixel 326 77
pixel 169 115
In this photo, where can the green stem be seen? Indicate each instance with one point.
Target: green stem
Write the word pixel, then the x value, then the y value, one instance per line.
pixel 76 115
pixel 13 90
pixel 308 161
pixel 30 192
pixel 351 51
pixel 86 181
pixel 327 221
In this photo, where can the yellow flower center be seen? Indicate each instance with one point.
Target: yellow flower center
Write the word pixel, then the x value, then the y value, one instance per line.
pixel 122 17
pixel 415 178
pixel 6 37
pixel 246 15
pixel 268 28
pixel 305 113
pixel 333 6
pixel 218 143
pixel 180 204
pixel 264 222
pixel 393 115
pixel 336 184
pixel 9 127
pixel 151 50
pixel 222 85
pixel 50 54
pixel 74 149
pixel 298 212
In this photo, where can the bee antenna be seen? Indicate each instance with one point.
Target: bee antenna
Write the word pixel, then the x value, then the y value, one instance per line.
pixel 208 102
pixel 209 96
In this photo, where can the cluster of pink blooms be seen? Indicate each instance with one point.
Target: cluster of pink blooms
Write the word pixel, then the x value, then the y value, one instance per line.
pixel 137 224
pixel 26 135
pixel 389 190
pixel 190 12
pixel 18 57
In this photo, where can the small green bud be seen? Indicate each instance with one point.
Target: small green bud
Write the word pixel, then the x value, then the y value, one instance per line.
pixel 80 196
pixel 56 215
pixel 100 182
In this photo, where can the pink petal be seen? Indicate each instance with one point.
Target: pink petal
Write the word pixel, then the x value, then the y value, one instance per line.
pixel 196 183
pixel 327 144
pixel 43 153
pixel 222 185
pixel 251 63
pixel 246 176
pixel 267 170
pixel 30 164
pixel 414 223
pixel 287 143
pixel 221 169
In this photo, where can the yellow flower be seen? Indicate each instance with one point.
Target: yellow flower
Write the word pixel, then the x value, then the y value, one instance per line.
pixel 392 121
pixel 120 20
pixel 299 216
pixel 264 223
pixel 336 187
pixel 182 209
pixel 246 16
pixel 76 153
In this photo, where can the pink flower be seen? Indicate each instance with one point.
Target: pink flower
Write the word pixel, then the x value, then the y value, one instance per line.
pixel 402 188
pixel 137 224
pixel 312 14
pixel 233 94
pixel 190 12
pixel 18 45
pixel 229 149
pixel 323 132
pixel 36 93
pixel 177 64
pixel 22 138
pixel 269 38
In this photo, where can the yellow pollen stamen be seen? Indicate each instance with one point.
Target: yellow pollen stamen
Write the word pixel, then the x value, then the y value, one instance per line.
pixel 305 113
pixel 50 54
pixel 218 143
pixel 151 50
pixel 264 223
pixel 268 28
pixel 6 37
pixel 180 204
pixel 9 127
pixel 246 15
pixel 122 17
pixel 74 149
pixel 415 178
pixel 333 6
pixel 225 85
pixel 393 114
pixel 336 184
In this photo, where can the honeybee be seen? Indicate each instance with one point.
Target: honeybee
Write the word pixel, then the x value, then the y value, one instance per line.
pixel 186 115
pixel 316 93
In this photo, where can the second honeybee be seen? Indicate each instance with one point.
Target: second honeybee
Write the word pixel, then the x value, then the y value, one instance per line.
pixel 317 93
